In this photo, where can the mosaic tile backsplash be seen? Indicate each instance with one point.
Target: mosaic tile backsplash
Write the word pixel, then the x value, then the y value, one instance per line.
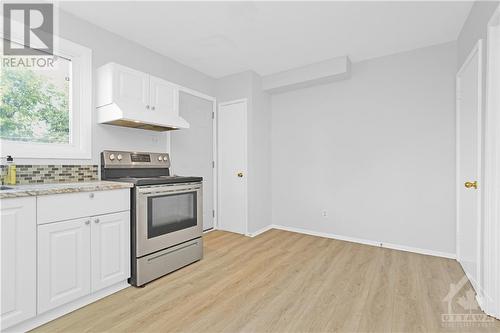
pixel 46 174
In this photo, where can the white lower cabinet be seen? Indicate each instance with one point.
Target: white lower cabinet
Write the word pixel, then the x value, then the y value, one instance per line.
pixel 81 256
pixel 60 252
pixel 63 262
pixel 18 260
pixel 110 241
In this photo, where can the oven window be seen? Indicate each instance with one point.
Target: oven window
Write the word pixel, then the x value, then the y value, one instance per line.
pixel 170 213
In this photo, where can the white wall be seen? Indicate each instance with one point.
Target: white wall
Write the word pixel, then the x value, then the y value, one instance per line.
pixel 375 151
pixel 232 87
pixel 107 47
pixel 259 158
pixel 474 28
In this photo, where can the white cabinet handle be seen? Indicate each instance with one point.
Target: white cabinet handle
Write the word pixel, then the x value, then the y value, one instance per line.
pixel 152 108
pixel 97 221
pixel 91 195
pixel 87 222
pixel 147 107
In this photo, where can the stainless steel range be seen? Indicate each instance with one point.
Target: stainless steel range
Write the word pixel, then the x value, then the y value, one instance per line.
pixel 166 213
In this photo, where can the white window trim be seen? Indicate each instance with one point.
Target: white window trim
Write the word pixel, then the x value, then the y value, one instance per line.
pixel 81 109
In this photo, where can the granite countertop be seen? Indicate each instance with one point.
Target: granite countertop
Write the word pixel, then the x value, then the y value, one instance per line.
pixel 16 191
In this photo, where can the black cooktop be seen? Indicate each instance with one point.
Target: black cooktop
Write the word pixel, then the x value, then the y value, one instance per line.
pixel 140 181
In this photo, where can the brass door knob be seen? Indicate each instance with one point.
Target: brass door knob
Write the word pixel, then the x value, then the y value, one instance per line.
pixel 471 184
pixel 240 174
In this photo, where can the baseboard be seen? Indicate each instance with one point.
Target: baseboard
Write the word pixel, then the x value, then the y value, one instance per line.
pixel 480 301
pixel 485 302
pixel 60 311
pixel 475 286
pixel 488 305
pixel 260 231
pixel 365 241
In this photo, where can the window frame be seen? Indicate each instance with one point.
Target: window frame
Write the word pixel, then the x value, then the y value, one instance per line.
pixel 80 146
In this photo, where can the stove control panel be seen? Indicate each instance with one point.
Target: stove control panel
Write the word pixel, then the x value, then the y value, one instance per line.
pixel 124 159
pixel 138 157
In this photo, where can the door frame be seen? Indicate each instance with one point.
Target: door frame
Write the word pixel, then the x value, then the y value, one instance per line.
pixel 245 134
pixel 212 99
pixel 492 174
pixel 477 49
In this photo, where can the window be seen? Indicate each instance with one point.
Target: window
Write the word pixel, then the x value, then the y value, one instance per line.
pixel 45 112
pixel 35 103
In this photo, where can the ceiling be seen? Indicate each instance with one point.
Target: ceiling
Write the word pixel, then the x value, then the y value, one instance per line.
pixel 221 38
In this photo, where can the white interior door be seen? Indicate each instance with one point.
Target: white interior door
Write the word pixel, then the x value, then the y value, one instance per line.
pixel 192 149
pixel 232 153
pixel 491 242
pixel 468 165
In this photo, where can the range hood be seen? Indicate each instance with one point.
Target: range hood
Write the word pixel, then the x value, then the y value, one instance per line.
pixel 113 114
pixel 131 98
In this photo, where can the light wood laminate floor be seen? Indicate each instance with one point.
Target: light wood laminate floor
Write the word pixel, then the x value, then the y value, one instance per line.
pixel 281 281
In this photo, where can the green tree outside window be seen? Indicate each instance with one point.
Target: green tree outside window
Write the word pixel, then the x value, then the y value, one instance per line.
pixel 33 108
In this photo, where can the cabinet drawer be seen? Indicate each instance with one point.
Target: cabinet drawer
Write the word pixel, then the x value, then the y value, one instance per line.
pixel 59 207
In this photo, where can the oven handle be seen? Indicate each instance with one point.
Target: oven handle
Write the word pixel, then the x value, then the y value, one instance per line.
pixel 164 191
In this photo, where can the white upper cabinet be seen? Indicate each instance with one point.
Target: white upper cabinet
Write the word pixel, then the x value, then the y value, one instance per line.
pixel 127 97
pixel 18 260
pixel 131 88
pixel 164 97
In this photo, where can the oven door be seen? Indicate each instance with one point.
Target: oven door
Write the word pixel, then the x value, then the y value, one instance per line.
pixel 167 215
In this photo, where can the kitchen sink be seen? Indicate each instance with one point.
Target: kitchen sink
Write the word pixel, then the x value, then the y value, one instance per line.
pixel 5 188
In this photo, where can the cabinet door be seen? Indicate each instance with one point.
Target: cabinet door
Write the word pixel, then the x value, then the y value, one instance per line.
pixel 131 88
pixel 164 98
pixel 18 265
pixel 110 249
pixel 63 262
